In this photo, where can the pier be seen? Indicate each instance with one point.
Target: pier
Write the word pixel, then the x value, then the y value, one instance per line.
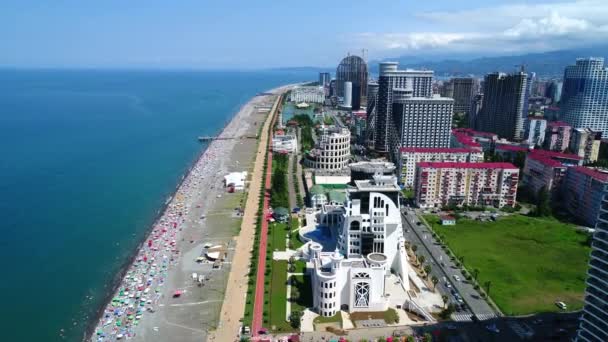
pixel 211 138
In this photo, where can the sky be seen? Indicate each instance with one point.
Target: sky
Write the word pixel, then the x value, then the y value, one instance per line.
pixel 265 34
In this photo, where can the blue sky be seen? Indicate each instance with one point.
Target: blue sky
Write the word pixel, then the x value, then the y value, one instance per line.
pixel 259 33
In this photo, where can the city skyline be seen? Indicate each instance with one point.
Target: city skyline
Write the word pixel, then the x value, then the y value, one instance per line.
pixel 195 35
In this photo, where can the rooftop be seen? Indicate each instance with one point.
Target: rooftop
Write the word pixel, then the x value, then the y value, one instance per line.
pixel 452 165
pixel 558 124
pixel 514 148
pixel 380 183
pixel 434 150
pixel 596 174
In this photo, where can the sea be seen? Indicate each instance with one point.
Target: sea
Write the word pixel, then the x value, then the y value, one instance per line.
pixel 87 159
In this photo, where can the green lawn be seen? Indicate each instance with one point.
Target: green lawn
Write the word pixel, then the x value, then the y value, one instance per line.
pixel 300 266
pixel 278 297
pixel 531 262
pixel 278 235
pixel 301 287
pixel 337 318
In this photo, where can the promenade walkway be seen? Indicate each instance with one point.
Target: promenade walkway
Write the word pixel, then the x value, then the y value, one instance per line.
pixel 236 291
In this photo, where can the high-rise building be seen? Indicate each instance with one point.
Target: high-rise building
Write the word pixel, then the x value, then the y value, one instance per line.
pixel 557 136
pixel 535 131
pixel 476 105
pixel 348 95
pixel 594 321
pixel 464 90
pixel 372 100
pixel 419 121
pixel 504 107
pixel 553 91
pixel 420 82
pixel 324 79
pixel 586 144
pixel 584 100
pixel 352 69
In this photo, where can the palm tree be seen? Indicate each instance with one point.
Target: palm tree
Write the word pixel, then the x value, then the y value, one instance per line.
pixel 434 280
pixel 421 259
pixel 445 300
pixel 414 248
pixel 427 270
pixel 487 285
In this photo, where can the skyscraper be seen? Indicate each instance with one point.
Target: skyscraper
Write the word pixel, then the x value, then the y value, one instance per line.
pixel 504 105
pixel 324 79
pixel 352 69
pixel 594 321
pixel 419 121
pixel 585 95
pixel 372 100
pixel 464 89
pixel 554 91
pixel 420 82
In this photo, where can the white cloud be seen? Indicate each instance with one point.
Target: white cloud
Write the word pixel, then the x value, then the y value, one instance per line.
pixel 509 28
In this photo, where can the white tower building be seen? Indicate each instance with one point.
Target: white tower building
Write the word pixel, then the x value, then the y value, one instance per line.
pixel 348 95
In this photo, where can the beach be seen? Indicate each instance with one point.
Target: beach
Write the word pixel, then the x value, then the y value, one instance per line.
pixel 171 291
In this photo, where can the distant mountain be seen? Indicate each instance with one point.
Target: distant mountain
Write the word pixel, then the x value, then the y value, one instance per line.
pixel 546 64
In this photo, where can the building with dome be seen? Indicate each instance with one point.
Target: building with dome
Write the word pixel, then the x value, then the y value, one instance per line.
pixel 352 69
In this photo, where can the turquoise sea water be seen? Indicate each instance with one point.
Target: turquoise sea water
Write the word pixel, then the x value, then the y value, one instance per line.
pixel 86 160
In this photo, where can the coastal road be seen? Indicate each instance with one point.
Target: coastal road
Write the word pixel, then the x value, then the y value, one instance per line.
pixel 445 269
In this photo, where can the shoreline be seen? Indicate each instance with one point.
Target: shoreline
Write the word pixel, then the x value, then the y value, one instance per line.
pixel 121 276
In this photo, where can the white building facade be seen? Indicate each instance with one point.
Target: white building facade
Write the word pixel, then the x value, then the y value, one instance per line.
pixel 370 247
pixel 332 151
pixel 473 184
pixel 284 144
pixel 312 94
pixel 410 156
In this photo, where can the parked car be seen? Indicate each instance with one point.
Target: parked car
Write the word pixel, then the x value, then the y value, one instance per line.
pixel 456 277
pixel 561 305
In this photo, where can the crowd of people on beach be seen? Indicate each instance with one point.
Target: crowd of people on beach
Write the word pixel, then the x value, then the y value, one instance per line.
pixel 141 288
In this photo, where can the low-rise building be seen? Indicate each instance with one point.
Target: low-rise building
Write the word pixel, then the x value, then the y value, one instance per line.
pixel 317 196
pixel 547 169
pixel 410 156
pixel 365 170
pixel 473 184
pixel 586 144
pixel 557 136
pixel 284 144
pixel 308 94
pixel 509 152
pixel 582 192
pixel 469 138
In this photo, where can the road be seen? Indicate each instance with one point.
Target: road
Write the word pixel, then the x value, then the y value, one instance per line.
pixel 444 269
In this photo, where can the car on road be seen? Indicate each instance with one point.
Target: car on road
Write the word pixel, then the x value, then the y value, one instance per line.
pixel 561 305
pixel 493 328
pixel 448 285
pixel 456 277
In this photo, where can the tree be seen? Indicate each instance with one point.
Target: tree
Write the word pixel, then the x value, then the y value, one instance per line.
pixel 434 280
pixel 543 205
pixel 411 339
pixel 444 298
pixel 414 248
pixel 294 319
pixel 475 273
pixel 428 337
pixel 427 269
pixel 487 285
pixel 421 259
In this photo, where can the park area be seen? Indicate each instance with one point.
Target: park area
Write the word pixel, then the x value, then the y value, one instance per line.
pixel 530 262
